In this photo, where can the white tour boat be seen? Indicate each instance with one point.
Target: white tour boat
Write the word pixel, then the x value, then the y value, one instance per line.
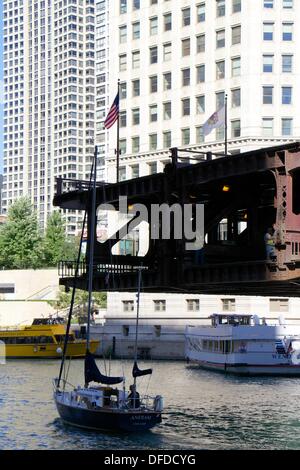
pixel 245 344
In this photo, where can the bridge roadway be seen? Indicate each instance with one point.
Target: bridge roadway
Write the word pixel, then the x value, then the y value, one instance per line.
pixel 250 192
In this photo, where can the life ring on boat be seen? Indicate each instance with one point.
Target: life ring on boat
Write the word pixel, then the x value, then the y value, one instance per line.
pixel 295 357
pixel 59 350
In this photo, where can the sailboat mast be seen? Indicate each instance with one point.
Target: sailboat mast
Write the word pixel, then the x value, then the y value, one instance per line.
pixel 92 229
pixel 137 315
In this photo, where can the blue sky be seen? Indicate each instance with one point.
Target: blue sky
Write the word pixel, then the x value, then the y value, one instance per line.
pixel 1 87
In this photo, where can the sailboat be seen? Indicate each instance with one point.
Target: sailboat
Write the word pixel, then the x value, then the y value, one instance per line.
pixel 97 405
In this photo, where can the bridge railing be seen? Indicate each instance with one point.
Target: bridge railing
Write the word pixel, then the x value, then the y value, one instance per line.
pixel 68 268
pixel 64 185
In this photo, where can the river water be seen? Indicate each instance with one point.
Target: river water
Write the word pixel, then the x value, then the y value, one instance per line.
pixel 203 410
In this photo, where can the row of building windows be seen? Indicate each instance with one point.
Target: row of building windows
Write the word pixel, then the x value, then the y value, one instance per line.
pixel 193 305
pixel 185 49
pixel 236 6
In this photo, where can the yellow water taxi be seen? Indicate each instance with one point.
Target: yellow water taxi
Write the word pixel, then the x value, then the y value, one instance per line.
pixel 43 339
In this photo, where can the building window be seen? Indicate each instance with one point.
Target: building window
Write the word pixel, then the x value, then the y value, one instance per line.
pixel 136 60
pixel 268 31
pixel 128 305
pixel 167 110
pixel 159 305
pixel 200 104
pixel 135 171
pixel 287 31
pixel 268 3
pixel 287 63
pixel 123 90
pixel 279 305
pixel 153 142
pixel 136 30
pixel 220 99
pixel 122 34
pixel 152 168
pixel 167 81
pixel 135 116
pixel 153 84
pixel 201 12
pixel 186 17
pixel 220 4
pixel 267 95
pixel 168 22
pixel 267 127
pixel 123 6
pixel 167 139
pixel 193 305
pixel 199 135
pixel 123 146
pixel 235 35
pixel 236 66
pixel 220 69
pixel 286 126
pixel 135 144
pixel 153 113
pixel 228 305
pixel 153 26
pixel 122 62
pixel 122 173
pixel 220 38
pixel 236 128
pixel 136 4
pixel 186 107
pixel 167 52
pixel 135 88
pixel 153 55
pixel 123 119
pixel 200 43
pixel 200 70
pixel 236 6
pixel 220 133
pixel 185 136
pixel 236 98
pixel 186 77
pixel 286 95
pixel 186 47
pixel 268 63
pixel 287 3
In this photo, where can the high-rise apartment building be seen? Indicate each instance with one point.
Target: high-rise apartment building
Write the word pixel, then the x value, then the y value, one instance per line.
pixel 49 92
pixel 177 59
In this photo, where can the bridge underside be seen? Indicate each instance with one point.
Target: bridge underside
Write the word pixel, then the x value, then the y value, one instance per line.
pixel 242 196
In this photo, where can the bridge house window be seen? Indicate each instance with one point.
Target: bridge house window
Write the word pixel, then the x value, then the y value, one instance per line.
pixel 128 305
pixel 228 305
pixel 159 305
pixel 279 305
pixel 193 305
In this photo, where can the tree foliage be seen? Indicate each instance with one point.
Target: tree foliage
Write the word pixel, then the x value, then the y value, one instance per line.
pixel 24 246
pixel 80 303
pixel 20 238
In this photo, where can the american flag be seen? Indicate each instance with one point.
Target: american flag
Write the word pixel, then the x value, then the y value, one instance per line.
pixel 113 113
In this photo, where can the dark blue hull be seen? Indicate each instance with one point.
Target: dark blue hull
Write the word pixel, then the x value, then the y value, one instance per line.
pixel 112 420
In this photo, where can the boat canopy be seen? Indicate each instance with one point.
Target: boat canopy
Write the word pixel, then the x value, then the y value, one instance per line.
pixel 93 374
pixel 231 319
pixel 136 372
pixel 49 321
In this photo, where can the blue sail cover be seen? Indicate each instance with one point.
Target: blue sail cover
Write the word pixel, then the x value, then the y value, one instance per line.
pixel 136 372
pixel 93 374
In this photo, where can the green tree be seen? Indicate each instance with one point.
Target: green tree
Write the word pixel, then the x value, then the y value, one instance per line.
pixel 54 240
pixel 80 303
pixel 20 238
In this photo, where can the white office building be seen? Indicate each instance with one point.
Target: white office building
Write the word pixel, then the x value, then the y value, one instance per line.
pixel 176 60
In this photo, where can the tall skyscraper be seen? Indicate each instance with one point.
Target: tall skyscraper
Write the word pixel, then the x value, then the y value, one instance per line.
pixel 49 88
pixel 177 59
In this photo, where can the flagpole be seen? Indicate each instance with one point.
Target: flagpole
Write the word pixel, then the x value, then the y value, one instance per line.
pixel 226 142
pixel 118 137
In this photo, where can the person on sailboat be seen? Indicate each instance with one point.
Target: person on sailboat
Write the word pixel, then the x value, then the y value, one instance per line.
pixel 134 397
